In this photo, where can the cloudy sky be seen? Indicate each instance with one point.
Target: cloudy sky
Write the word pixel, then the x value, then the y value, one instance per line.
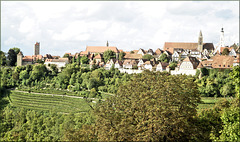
pixel 64 26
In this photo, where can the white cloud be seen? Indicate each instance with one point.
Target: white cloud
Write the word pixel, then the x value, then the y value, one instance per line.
pixel 10 41
pixel 69 26
pixel 26 25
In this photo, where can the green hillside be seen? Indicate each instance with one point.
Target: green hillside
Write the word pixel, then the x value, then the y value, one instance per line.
pixel 49 103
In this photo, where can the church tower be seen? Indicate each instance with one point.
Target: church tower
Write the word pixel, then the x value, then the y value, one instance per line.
pixel 107 44
pixel 37 48
pixel 19 58
pixel 200 42
pixel 222 39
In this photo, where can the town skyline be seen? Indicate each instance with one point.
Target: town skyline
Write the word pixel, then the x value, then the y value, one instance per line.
pixel 136 25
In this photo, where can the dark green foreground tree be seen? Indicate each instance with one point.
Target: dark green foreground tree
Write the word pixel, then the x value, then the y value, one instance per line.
pixel 151 107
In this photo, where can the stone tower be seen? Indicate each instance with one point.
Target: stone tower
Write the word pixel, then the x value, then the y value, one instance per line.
pixel 19 58
pixel 107 44
pixel 37 48
pixel 200 42
pixel 222 39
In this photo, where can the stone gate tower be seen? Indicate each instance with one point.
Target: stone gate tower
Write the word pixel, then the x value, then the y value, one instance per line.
pixel 37 48
pixel 200 42
pixel 19 58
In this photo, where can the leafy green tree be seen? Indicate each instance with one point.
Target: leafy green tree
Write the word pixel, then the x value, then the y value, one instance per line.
pixel 84 60
pixel 147 57
pixel 108 54
pixel 121 56
pixel 172 65
pixel 24 75
pixel 225 51
pixel 38 72
pixel 16 50
pixel 66 55
pixel 162 109
pixel 12 57
pixel 3 60
pixel 164 58
pixel 78 60
pixel 231 122
pixel 209 123
pixel 54 69
pixel 204 71
pixel 93 93
pixel 235 76
pixel 132 52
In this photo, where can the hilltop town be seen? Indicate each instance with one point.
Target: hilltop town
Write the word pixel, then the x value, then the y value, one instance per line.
pixel 105 94
pixel 174 57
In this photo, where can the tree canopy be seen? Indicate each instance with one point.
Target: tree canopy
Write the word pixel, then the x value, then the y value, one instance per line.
pixel 161 110
pixel 108 54
pixel 225 51
pixel 121 56
pixel 164 58
pixel 147 57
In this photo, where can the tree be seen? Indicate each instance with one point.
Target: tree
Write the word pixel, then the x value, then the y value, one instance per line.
pixel 16 50
pixel 108 54
pixel 147 57
pixel 161 109
pixel 12 57
pixel 54 69
pixel 231 122
pixel 84 60
pixel 164 58
pixel 38 72
pixel 235 76
pixel 2 58
pixel 225 51
pixel 132 52
pixel 121 55
pixel 172 65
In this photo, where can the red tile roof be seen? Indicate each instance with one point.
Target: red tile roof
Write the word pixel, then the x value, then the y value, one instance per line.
pixel 186 45
pixel 101 49
pixel 133 56
pixel 220 61
pixel 99 56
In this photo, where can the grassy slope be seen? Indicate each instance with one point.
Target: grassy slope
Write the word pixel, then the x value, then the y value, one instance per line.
pixel 49 103
pixel 209 102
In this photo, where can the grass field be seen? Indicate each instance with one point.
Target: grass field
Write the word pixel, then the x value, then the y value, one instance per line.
pixel 209 102
pixel 66 105
pixel 62 92
pixel 49 103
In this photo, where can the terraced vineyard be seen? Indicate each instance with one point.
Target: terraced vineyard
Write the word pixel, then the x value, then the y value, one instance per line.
pixel 49 103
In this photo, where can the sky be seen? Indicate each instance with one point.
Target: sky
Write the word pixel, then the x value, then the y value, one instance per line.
pixel 69 26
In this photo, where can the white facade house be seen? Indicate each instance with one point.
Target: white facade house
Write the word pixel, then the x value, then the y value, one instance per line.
pixel 232 52
pixel 141 51
pixel 61 62
pixel 161 66
pixel 175 56
pixel 148 65
pixel 188 66
pixel 109 64
pixel 118 64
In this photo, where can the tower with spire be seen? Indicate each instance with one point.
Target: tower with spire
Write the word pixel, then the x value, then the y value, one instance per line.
pixel 222 39
pixel 200 42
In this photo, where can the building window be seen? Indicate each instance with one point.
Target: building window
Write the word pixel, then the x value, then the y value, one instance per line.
pixel 219 65
pixel 228 65
pixel 223 65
